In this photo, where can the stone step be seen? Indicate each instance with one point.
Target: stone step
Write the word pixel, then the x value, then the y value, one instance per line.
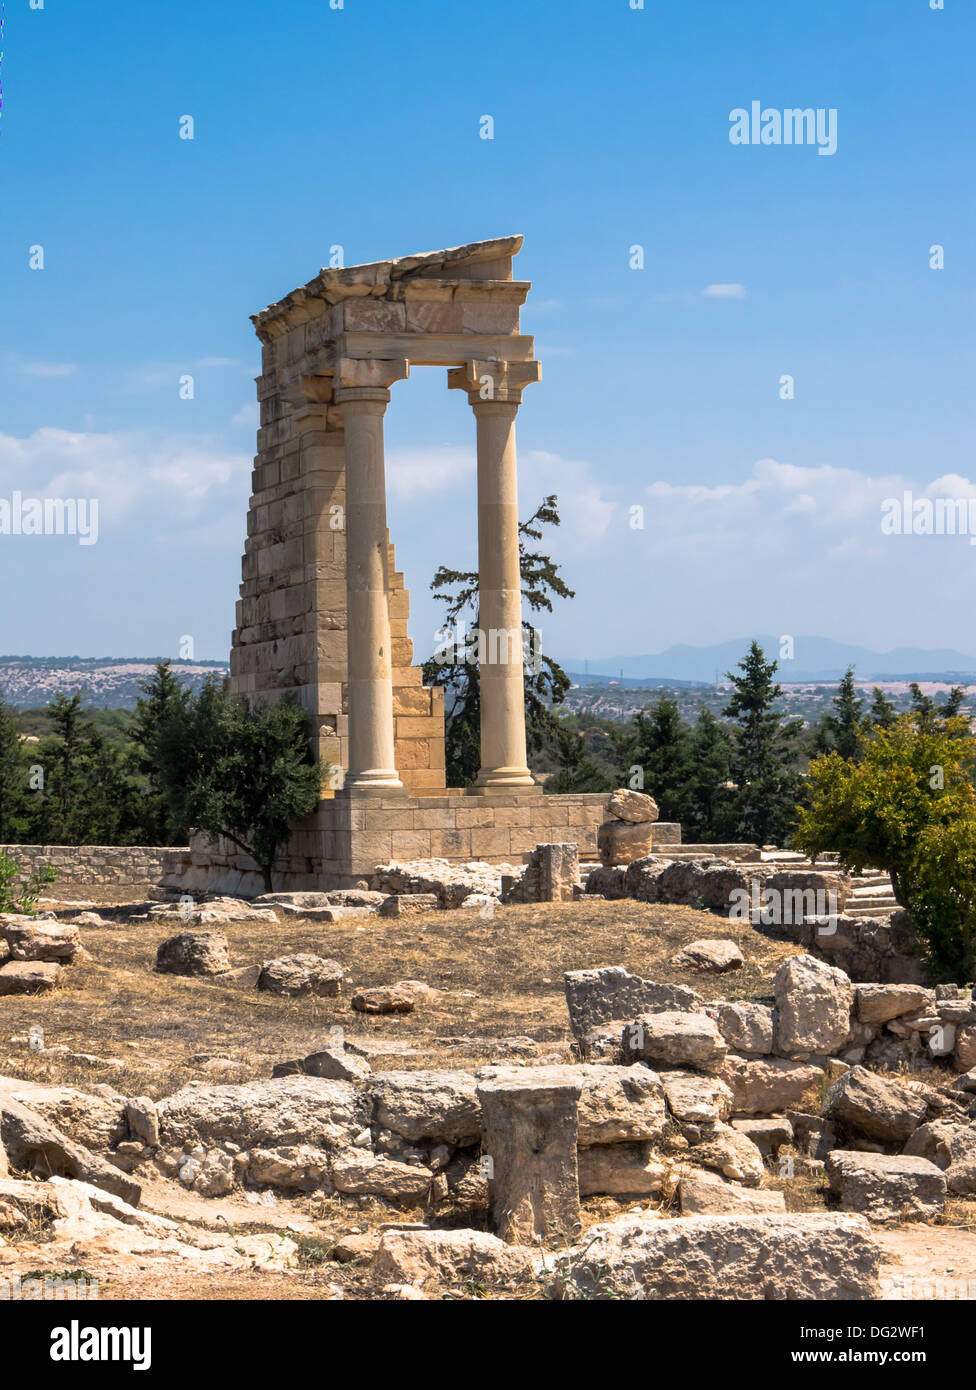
pixel 871 911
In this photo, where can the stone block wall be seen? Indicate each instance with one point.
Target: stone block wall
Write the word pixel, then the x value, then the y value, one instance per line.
pixel 101 866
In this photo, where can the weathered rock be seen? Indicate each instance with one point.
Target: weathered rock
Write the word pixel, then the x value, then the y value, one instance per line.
pixel 400 998
pixel 694 1099
pixel 621 841
pixel 193 953
pixel 674 1039
pixel 551 876
pixel 34 1144
pixel 951 1146
pixel 730 1153
pixel 595 997
pixel 745 1027
pixel 295 977
pixel 879 1003
pixel 887 1187
pixel 702 1196
pixel 359 1171
pixel 717 957
pixel 42 941
pixel 336 1063
pixel 618 1104
pixel 763 1085
pixel 451 882
pixel 29 977
pixel 143 1120
pixel 620 1170
pixel 875 1106
pixel 427 1105
pixel 97 1121
pixel 813 1002
pixel 265 1114
pixel 964 1056
pixel 607 881
pixel 449 1257
pixel 632 806
pixel 822 1257
pixel 530 1135
pixel 408 904
pixel 291 1168
pixel 768 1135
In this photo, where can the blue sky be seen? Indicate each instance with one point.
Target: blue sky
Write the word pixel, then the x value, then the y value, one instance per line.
pixel 360 127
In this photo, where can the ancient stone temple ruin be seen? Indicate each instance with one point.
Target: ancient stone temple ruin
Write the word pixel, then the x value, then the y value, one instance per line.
pixel 323 611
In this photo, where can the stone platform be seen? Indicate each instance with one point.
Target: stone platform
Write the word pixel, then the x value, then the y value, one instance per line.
pixel 352 833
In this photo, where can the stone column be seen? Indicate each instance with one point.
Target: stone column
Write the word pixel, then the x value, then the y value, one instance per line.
pixel 531 1126
pixel 362 395
pixel 495 393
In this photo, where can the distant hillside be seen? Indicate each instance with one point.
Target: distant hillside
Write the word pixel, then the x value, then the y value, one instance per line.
pixel 814 659
pixel 108 682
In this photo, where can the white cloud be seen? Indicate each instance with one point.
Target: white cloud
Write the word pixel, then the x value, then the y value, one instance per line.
pixel 249 414
pixel 49 370
pixel 724 292
pixel 415 472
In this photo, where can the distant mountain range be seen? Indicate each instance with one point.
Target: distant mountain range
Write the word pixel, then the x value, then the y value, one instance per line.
pixel 814 659
pixel 27 682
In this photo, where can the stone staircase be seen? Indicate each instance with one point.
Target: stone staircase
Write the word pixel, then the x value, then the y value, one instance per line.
pixel 872 896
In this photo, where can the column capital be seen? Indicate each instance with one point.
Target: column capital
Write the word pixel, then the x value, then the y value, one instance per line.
pixel 368 378
pixel 494 380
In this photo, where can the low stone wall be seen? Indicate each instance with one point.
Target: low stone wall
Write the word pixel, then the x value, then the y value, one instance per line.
pixel 97 866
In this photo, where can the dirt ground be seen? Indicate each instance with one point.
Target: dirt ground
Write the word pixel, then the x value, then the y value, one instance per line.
pixel 499 984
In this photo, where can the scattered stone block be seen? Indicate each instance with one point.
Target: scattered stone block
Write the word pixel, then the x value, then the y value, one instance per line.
pixel 193 953
pixel 694 1099
pixel 880 1003
pixel 34 1144
pixel 29 977
pixel 360 1172
pixel 296 977
pixel 674 1039
pixel 707 1196
pixel 551 876
pixel 622 841
pixel 875 1106
pixel 595 997
pixel 887 1187
pixel 620 1170
pixel 43 941
pixel 400 998
pixel 408 904
pixel 636 807
pixel 717 956
pixel 448 1257
pixel 765 1085
pixel 821 1257
pixel 813 1002
pixel 427 1105
pixel 745 1027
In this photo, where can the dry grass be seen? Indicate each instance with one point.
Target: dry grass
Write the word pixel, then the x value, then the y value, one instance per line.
pixel 496 978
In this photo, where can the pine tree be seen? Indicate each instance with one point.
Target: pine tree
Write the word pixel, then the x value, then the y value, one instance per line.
pixel 658 743
pixel 707 795
pixel 89 798
pixel 545 681
pixel 13 776
pixel 164 697
pixel 882 714
pixel 764 753
pixel 843 731
pixel 577 772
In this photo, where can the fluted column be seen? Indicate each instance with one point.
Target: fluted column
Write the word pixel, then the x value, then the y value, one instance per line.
pixel 495 393
pixel 362 395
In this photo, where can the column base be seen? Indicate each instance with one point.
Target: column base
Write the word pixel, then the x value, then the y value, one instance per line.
pixel 374 779
pixel 504 779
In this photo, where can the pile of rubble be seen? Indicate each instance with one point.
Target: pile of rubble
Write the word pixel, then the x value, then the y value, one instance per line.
pixel 34 951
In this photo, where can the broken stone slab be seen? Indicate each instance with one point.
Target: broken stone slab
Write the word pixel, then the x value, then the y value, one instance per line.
pixel 33 1144
pixel 617 1104
pixel 449 1257
pixel 674 1039
pixel 627 805
pixel 42 941
pixel 265 1114
pixel 595 997
pixel 296 977
pixel 824 1256
pixel 765 1085
pixel 452 883
pixel 707 1196
pixel 193 954
pixel 694 1099
pixel 729 1152
pixel 964 1055
pixel 334 1063
pixel 357 1171
pixel 408 904
pixel 143 1120
pixel 289 1168
pixel 241 977
pixel 768 1134
pixel 887 1187
pixel 745 1027
pixel 610 993
pixel 715 956
pixel 620 1170
pixel 813 1002
pixel 325 914
pixel 875 1106
pixel 951 1146
pixel 96 1121
pixel 336 897
pixel 881 1003
pixel 427 1105
pixel 399 998
pixel 530 1136
pixel 29 977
